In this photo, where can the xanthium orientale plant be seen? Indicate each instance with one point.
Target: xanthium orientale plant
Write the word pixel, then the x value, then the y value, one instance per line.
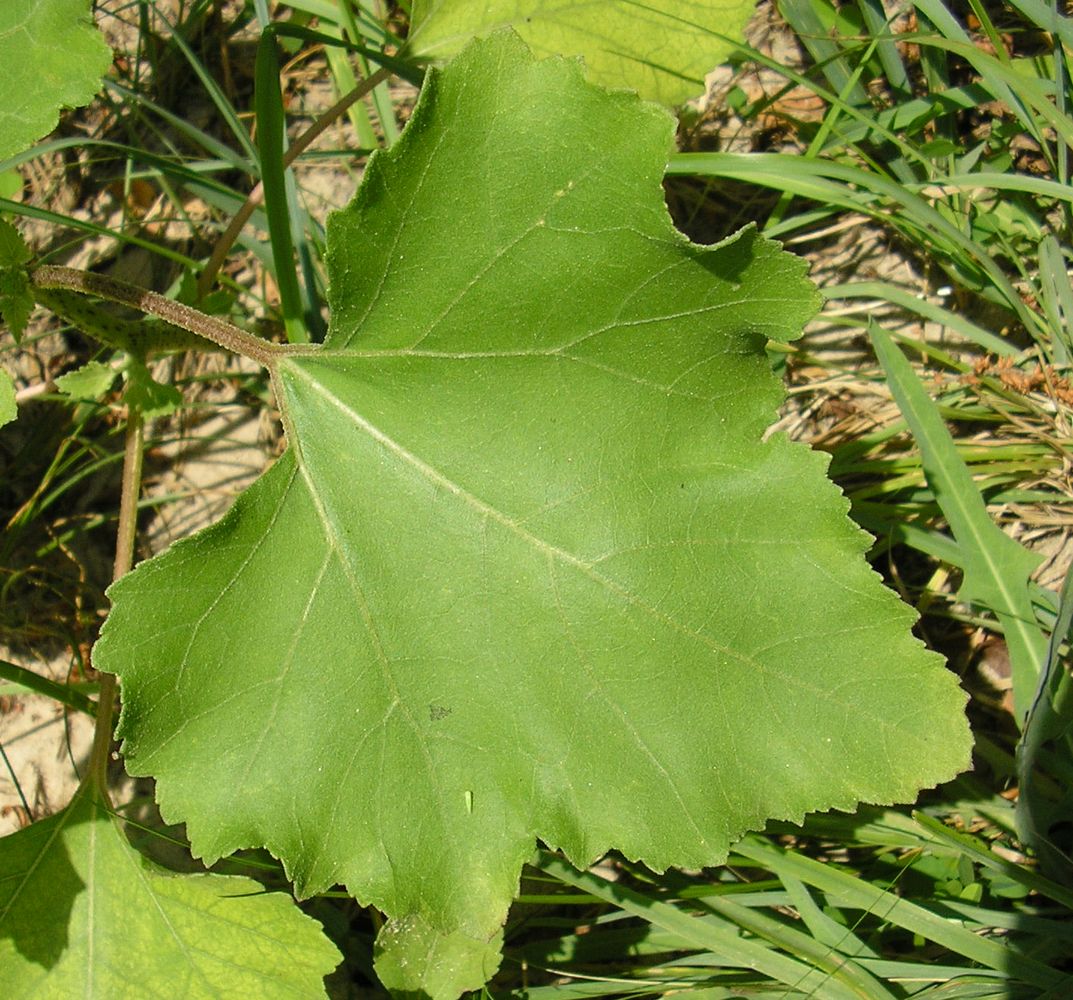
pixel 528 570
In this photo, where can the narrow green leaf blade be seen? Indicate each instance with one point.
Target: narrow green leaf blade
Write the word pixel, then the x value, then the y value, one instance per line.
pixel 663 51
pixel 271 134
pixel 51 56
pixel 83 914
pixel 997 570
pixel 847 888
pixel 527 569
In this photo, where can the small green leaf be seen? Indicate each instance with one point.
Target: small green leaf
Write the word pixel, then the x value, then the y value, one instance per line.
pixel 8 407
pixel 13 249
pixel 529 568
pixel 663 51
pixel 91 381
pixel 145 394
pixel 16 300
pixel 51 56
pixel 83 914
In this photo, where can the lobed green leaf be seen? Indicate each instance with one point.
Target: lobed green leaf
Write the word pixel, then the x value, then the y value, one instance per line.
pixel 528 569
pixel 83 914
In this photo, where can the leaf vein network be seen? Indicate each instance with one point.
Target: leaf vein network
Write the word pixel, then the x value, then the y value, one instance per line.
pixel 485 509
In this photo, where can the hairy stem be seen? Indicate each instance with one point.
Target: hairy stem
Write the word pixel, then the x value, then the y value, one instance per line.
pixel 133 336
pixel 256 196
pixel 124 559
pixel 212 328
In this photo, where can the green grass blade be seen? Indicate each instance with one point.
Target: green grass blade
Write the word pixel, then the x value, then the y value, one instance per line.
pixel 826 958
pixel 985 180
pixel 1056 298
pixel 58 219
pixel 966 845
pixel 866 121
pixel 947 318
pixel 822 927
pixel 1045 16
pixel 345 82
pixel 702 933
pixel 268 104
pixel 878 25
pixel 216 94
pixel 997 569
pixel 381 95
pixel 802 16
pixel 1028 99
pixel 1049 723
pixel 65 694
pixel 852 891
pixel 219 149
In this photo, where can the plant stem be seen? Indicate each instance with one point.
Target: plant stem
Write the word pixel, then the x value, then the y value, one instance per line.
pixel 133 336
pixel 124 559
pixel 256 196
pixel 210 327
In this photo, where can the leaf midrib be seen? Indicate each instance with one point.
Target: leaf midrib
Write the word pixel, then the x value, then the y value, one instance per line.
pixel 549 550
pixel 485 509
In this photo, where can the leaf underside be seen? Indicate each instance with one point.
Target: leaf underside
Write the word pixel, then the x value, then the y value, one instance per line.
pixel 83 914
pixel 51 56
pixel 527 569
pixel 663 51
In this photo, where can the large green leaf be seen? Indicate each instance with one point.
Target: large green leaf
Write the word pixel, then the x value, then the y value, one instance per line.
pixel 83 914
pixel 662 51
pixel 527 569
pixel 51 56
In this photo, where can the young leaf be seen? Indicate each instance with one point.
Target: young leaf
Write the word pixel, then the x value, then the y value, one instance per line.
pixel 528 568
pixel 51 56
pixel 663 51
pixel 146 394
pixel 8 407
pixel 16 299
pixel 83 914
pixel 997 569
pixel 91 381
pixel 13 249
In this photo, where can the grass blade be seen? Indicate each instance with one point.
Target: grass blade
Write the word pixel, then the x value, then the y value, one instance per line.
pixel 997 569
pixel 268 104
pixel 65 694
pixel 699 932
pixel 852 891
pixel 1049 722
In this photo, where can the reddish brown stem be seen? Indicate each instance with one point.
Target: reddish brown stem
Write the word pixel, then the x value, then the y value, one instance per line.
pixel 212 328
